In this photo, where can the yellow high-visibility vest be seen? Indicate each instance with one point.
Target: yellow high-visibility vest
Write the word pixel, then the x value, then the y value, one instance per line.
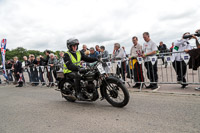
pixel 74 61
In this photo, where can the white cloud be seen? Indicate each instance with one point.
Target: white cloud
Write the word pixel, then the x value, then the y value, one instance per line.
pixel 45 24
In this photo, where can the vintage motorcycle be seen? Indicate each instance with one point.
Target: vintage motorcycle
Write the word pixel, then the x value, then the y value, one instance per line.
pixel 111 88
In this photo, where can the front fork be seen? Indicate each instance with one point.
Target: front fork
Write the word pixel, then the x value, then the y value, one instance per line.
pixel 103 85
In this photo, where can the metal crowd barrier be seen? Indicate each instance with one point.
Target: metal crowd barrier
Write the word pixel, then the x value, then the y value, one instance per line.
pixel 136 72
pixel 167 72
pixel 131 71
pixel 37 75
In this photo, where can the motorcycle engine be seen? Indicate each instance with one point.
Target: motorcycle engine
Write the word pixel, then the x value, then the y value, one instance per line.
pixel 90 87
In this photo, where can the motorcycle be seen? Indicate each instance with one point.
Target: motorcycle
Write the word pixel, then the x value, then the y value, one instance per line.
pixel 111 88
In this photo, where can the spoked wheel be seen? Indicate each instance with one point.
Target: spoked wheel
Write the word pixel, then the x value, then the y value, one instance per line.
pixel 67 91
pixel 116 93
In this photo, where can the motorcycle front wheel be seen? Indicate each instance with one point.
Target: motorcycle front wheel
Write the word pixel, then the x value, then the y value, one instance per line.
pixel 115 92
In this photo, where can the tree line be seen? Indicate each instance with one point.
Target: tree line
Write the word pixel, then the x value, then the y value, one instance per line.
pixel 20 52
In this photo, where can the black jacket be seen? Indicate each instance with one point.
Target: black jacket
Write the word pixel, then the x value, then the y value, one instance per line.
pixel 73 67
pixel 9 66
pixel 32 63
pixel 27 63
pixel 40 63
pixel 45 60
pixel 18 67
pixel 194 61
pixel 162 48
pixel 83 51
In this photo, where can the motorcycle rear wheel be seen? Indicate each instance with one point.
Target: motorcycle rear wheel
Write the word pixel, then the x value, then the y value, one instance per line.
pixel 69 98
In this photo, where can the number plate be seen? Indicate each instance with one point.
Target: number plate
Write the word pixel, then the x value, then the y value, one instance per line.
pixel 100 68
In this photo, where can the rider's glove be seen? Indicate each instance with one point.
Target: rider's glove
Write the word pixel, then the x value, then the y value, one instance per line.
pixel 82 70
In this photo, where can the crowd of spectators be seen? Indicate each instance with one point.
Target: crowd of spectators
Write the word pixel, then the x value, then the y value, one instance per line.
pixel 36 66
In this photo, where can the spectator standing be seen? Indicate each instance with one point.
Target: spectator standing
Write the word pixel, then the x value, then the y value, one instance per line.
pixel 105 58
pixel 97 48
pixel 194 61
pixel 55 56
pixel 118 54
pixel 93 53
pixel 18 71
pixel 40 70
pixel 125 55
pixel 26 63
pixel 87 53
pixel 163 49
pixel 178 63
pixel 84 48
pixel 61 60
pixel 136 51
pixel 124 51
pixel 52 63
pixel 150 49
pixel 9 70
pixel 33 70
pixel 172 47
pixel 13 70
pixel 45 60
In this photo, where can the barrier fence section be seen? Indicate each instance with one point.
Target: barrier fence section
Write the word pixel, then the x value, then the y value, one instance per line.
pixel 34 75
pixel 172 70
pixel 161 69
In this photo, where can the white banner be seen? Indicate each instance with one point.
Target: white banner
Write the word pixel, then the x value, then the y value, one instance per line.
pixel 23 64
pixel 119 64
pixel 168 59
pixel 42 67
pixel 48 67
pixel 153 59
pixel 109 64
pixel 185 57
pixel 140 60
pixel 37 68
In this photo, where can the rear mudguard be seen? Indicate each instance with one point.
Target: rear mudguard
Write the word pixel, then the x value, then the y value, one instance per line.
pixel 104 84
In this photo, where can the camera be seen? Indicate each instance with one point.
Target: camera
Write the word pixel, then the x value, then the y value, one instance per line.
pixel 190 36
pixel 198 31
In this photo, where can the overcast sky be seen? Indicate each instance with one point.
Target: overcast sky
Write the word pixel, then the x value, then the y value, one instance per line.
pixel 47 24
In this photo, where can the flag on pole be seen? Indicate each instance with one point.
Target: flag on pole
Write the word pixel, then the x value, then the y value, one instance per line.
pixel 3 54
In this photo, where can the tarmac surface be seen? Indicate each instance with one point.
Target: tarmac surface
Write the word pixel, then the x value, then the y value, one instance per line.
pixel 41 109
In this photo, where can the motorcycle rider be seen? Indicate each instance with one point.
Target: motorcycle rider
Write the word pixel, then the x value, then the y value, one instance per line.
pixel 72 66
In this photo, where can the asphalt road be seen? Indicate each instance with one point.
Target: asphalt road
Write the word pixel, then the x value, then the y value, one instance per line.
pixel 42 110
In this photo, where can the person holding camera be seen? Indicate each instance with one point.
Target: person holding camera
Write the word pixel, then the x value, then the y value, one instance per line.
pixel 178 62
pixel 194 61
